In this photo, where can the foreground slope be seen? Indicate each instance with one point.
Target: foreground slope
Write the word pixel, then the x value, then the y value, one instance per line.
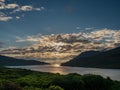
pixel 9 61
pixel 21 79
pixel 107 59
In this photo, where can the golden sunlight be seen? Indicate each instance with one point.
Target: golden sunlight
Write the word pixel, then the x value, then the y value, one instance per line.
pixel 56 65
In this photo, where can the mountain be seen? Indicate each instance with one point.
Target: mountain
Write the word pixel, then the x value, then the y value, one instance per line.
pixel 88 53
pixel 9 61
pixel 106 59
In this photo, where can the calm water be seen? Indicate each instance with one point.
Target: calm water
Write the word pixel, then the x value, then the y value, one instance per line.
pixel 55 68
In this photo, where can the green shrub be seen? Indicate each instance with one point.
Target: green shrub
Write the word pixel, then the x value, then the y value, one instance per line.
pixel 96 82
pixel 55 88
pixel 31 88
pixel 19 79
pixel 9 86
pixel 69 82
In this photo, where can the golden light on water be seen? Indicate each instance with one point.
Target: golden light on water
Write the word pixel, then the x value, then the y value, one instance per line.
pixel 56 65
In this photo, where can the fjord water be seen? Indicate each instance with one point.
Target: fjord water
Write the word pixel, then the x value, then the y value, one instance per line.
pixel 56 68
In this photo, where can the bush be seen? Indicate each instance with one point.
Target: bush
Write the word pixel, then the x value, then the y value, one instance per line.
pixel 19 79
pixel 9 86
pixel 55 88
pixel 96 82
pixel 31 88
pixel 69 82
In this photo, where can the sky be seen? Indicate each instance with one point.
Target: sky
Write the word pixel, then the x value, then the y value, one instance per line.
pixel 22 18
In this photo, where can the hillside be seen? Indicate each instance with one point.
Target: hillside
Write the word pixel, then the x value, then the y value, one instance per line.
pixel 107 59
pixel 9 61
pixel 21 79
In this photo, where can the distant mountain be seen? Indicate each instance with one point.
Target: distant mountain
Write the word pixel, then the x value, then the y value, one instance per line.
pixel 88 53
pixel 8 61
pixel 107 59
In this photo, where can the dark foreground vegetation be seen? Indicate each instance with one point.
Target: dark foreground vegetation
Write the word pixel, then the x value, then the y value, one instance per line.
pixel 9 61
pixel 21 79
pixel 108 59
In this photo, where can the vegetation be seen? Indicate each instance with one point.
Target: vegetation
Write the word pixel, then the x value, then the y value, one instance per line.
pixel 21 79
pixel 108 59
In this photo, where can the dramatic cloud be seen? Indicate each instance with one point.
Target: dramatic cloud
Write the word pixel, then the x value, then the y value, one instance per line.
pixel 65 45
pixel 13 8
pixel 99 38
pixel 99 35
pixel 2 4
pixel 27 8
pixel 12 47
pixel 17 17
pixel 4 17
pixel 33 38
pixel 2 0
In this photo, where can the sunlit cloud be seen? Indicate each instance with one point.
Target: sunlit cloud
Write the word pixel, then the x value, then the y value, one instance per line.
pixel 2 0
pixel 5 18
pixel 39 9
pixel 66 45
pixel 13 8
pixel 3 5
pixel 12 47
pixel 27 8
pixel 17 17
pixel 99 36
pixel 33 38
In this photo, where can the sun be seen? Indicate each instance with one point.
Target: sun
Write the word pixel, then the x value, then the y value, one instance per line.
pixel 56 65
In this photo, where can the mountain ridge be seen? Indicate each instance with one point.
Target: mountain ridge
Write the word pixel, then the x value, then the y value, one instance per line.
pixel 9 61
pixel 106 59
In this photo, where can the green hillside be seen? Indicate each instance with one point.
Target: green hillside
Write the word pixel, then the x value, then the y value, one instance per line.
pixel 21 79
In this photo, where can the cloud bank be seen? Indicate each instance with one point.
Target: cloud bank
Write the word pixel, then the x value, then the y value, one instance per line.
pixel 99 36
pixel 65 45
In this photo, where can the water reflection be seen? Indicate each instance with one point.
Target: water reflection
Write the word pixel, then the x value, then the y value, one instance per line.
pixel 56 68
